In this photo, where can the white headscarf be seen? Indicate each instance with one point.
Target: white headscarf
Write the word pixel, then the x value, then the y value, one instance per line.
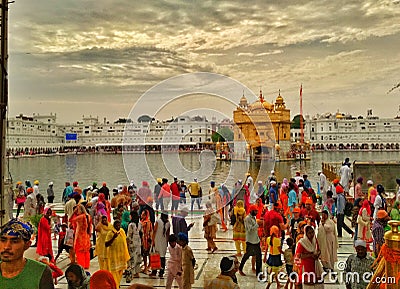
pixel 312 247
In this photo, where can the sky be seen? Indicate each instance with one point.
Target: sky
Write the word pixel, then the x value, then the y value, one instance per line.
pixel 102 57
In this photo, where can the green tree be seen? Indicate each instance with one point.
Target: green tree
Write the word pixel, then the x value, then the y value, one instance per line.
pixel 296 122
pixel 223 134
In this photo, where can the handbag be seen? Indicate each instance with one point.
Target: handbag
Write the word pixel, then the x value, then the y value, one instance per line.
pixel 20 200
pixel 155 259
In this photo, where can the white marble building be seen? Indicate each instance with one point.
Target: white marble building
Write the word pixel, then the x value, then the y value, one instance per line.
pixel 43 131
pixel 343 131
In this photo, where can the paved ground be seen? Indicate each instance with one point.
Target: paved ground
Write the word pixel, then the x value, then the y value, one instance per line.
pixel 208 264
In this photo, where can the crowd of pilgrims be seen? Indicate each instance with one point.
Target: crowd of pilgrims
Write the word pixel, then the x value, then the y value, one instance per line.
pixel 127 225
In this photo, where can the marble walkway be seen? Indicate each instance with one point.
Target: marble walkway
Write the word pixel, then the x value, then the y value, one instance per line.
pixel 208 264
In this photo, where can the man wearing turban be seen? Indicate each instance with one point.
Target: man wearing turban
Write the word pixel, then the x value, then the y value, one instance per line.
pixel 15 270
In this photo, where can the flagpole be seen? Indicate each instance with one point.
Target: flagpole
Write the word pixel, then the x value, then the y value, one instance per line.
pixel 3 108
pixel 301 116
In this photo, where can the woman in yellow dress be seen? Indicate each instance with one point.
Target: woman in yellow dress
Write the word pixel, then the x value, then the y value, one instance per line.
pixel 102 230
pixel 117 251
pixel 239 232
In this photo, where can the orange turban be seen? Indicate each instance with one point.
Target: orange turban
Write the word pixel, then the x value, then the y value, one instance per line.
pixel 382 214
pixel 309 201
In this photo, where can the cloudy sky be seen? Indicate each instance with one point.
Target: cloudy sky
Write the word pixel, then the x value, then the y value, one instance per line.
pixel 99 57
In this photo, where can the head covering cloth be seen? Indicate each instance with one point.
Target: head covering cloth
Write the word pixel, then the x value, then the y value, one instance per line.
pixel 183 237
pixel 227 264
pixel 16 228
pixel 361 243
pixel 365 205
pixel 102 279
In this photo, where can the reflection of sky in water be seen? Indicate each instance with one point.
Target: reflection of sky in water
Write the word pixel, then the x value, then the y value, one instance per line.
pixel 70 165
pixel 110 168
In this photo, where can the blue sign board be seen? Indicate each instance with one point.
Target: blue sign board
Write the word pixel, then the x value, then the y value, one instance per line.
pixel 71 136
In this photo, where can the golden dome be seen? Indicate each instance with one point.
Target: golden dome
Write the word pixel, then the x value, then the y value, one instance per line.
pixel 243 102
pixel 261 106
pixel 256 105
pixel 279 102
pixel 339 115
pixel 268 106
pixel 279 99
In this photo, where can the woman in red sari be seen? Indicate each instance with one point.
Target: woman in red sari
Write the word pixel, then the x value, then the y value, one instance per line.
pixel 310 269
pixel 81 223
pixel 44 245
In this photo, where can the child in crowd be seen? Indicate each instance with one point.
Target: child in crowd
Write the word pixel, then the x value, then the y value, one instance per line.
pixel 69 243
pixel 329 204
pixel 274 261
pixel 294 222
pixel 55 271
pixel 57 224
pixel 61 239
pixel 174 264
pixel 288 255
pixel 40 203
pixel 188 261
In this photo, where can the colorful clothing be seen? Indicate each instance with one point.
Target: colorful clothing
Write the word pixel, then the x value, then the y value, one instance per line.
pixel 44 244
pixel 134 249
pixel 222 282
pixel 272 218
pixel 239 231
pixel 101 250
pixel 395 212
pixel 160 238
pixel 187 267
pixel 274 258
pixel 125 220
pixel 118 254
pixel 312 215
pixel 308 265
pixel 82 244
pixel 174 266
pixel 147 229
pixel 359 266
pixel 378 233
pixel 364 222
pixel 328 241
pixel 29 207
pixel 35 275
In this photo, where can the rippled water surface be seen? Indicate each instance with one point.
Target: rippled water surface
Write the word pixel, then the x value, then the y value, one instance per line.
pixel 119 169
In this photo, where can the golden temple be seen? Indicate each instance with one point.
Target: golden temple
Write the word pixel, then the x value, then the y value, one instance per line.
pixel 260 128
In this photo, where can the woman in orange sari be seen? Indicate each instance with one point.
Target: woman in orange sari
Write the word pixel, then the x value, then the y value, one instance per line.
pixel 147 229
pixel 81 222
pixel 283 197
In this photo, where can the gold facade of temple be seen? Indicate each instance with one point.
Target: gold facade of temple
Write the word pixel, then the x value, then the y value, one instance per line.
pixel 262 124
